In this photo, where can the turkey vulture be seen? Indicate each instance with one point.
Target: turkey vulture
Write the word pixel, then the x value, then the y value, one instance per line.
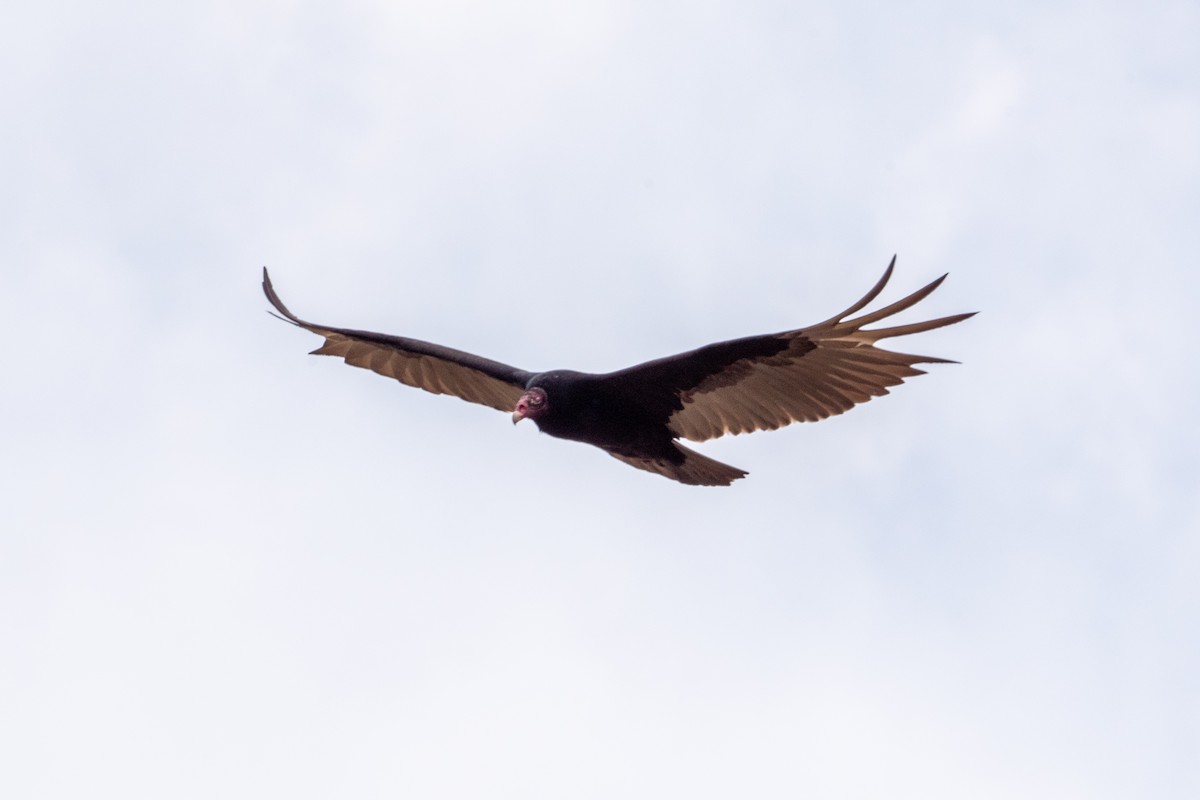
pixel 638 414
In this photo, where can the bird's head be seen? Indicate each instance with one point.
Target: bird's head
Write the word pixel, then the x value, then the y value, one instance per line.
pixel 532 404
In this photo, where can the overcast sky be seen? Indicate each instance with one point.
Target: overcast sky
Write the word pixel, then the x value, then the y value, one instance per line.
pixel 230 569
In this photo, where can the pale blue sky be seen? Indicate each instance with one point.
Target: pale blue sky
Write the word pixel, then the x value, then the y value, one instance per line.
pixel 228 569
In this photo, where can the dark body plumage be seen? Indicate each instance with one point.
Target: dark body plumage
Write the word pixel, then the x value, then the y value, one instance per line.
pixel 638 414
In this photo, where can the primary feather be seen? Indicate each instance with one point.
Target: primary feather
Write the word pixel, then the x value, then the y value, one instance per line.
pixel 637 414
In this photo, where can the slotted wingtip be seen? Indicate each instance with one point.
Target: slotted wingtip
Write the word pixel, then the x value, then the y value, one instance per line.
pixel 269 289
pixel 866 299
pixel 273 298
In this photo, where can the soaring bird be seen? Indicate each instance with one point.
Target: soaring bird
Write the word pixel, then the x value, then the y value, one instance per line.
pixel 638 414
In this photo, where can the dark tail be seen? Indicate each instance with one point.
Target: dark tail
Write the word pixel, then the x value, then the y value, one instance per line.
pixel 692 468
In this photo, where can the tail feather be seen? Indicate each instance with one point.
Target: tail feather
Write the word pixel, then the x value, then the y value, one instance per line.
pixel 692 469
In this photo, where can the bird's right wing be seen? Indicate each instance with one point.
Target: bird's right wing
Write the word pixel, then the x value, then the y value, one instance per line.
pixel 432 367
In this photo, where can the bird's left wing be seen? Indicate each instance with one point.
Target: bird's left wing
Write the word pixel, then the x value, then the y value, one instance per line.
pixel 432 367
pixel 766 382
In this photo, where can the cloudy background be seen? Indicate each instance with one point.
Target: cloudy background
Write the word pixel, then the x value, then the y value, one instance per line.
pixel 229 569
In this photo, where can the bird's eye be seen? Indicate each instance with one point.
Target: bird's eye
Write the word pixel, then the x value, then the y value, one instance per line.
pixel 535 400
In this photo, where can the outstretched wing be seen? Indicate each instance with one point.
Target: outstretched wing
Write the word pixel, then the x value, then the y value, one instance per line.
pixel 766 382
pixel 427 366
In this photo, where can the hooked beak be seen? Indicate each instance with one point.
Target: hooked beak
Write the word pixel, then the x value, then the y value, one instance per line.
pixel 529 404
